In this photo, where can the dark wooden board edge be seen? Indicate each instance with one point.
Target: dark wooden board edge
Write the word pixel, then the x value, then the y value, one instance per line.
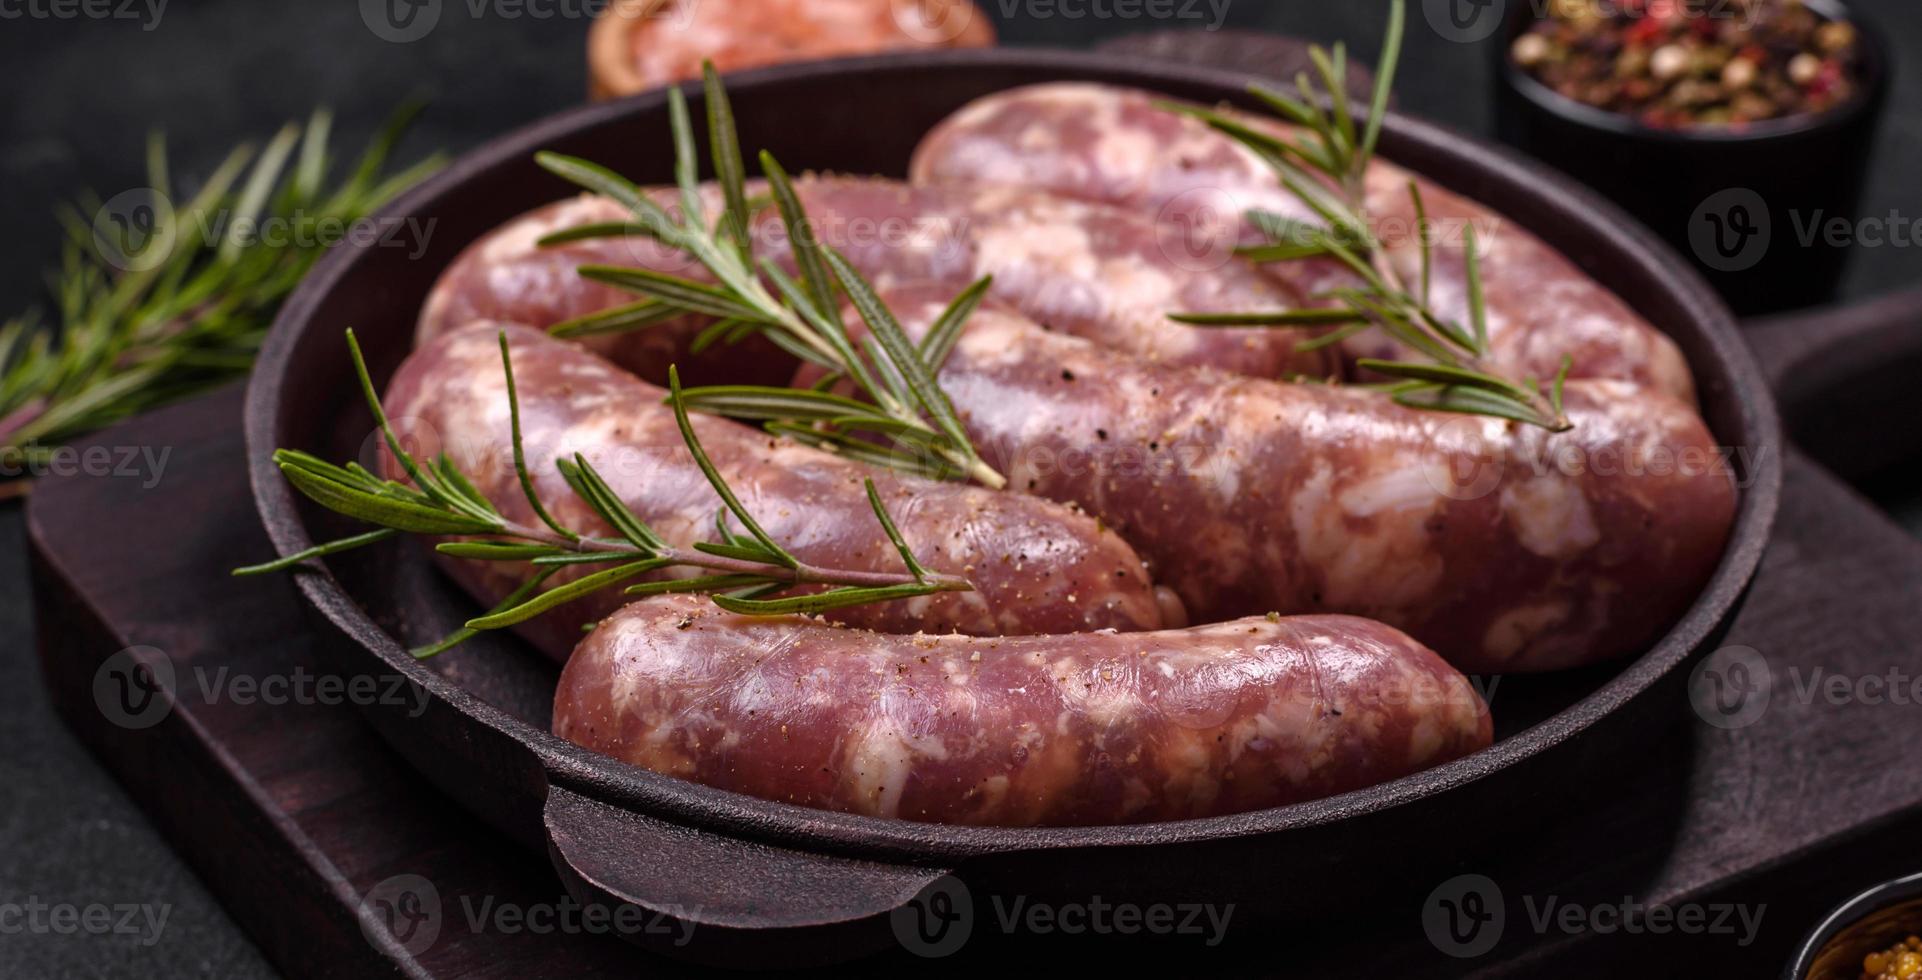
pixel 293 813
pixel 287 880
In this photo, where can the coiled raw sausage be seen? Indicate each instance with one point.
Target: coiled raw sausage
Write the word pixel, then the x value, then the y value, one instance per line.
pixel 1116 145
pixel 1084 269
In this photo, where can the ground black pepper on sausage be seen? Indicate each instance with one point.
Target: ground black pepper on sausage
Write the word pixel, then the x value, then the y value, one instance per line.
pixel 1500 545
pixel 1038 567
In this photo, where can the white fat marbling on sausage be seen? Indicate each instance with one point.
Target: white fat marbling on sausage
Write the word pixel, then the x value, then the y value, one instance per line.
pixel 1514 630
pixel 522 237
pixel 1550 515
pixel 1385 561
pixel 1090 728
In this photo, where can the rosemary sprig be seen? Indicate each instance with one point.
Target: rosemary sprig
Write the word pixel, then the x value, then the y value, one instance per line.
pixel 746 569
pixel 1325 166
pixel 801 314
pixel 188 309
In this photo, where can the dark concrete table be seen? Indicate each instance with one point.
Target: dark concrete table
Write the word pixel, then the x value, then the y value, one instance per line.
pixel 83 92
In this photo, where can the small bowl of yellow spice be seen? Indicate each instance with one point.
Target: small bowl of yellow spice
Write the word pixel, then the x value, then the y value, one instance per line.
pixel 1876 935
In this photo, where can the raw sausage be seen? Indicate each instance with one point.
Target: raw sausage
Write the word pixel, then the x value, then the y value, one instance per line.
pixel 1500 545
pixel 1038 567
pixel 1084 269
pixel 1115 145
pixel 1088 729
pixel 1103 273
pixel 508 276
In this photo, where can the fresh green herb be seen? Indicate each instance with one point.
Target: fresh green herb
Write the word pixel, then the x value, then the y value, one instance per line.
pixel 157 301
pixel 895 377
pixel 1326 168
pixel 442 501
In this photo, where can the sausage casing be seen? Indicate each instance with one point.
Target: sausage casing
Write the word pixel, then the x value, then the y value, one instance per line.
pixel 1090 270
pixel 1117 145
pixel 1084 269
pixel 1038 567
pixel 508 276
pixel 1096 728
pixel 1500 545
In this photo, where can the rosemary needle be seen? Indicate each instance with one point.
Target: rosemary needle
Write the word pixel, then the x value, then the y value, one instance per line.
pixel 1326 168
pixel 748 574
pixel 903 403
pixel 167 300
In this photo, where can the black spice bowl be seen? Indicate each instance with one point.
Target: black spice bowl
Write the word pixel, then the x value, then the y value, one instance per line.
pixel 1755 209
pixel 1873 920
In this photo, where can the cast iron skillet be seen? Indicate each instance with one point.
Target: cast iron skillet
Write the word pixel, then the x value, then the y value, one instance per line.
pixel 764 880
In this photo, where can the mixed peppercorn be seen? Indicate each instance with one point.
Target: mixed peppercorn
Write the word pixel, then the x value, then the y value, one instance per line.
pixel 1674 64
pixel 1902 961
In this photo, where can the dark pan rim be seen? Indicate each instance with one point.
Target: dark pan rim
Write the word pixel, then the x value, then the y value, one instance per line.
pixel 628 786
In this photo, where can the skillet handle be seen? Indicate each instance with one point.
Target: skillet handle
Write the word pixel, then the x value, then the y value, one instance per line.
pixel 1846 378
pixel 720 900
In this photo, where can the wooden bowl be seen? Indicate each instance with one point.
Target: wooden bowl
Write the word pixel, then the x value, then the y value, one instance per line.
pixel 769 882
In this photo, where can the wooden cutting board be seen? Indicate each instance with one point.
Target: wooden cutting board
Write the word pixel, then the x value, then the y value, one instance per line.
pixel 295 813
pixel 339 861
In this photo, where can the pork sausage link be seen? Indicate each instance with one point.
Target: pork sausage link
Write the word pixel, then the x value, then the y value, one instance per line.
pixel 1081 268
pixel 1103 273
pixel 1502 546
pixel 1038 567
pixel 507 276
pixel 1116 145
pixel 1089 729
